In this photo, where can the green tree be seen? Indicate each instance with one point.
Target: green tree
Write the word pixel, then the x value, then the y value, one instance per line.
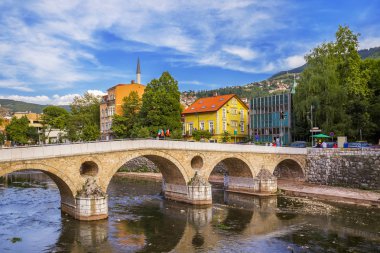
pixel 83 122
pixel 2 138
pixel 122 126
pixel 161 106
pixel 140 132
pixel 54 117
pixel 335 86
pixel 372 69
pixel 20 132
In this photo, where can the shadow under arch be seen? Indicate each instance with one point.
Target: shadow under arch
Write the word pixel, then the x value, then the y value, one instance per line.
pixel 234 166
pixel 289 169
pixel 172 171
pixel 65 186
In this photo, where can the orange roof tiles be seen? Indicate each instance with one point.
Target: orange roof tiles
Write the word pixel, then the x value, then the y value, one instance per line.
pixel 209 104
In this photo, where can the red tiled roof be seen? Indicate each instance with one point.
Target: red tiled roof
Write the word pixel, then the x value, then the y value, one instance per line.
pixel 209 104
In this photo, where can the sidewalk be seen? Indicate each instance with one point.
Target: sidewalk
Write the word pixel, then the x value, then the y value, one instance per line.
pixel 333 193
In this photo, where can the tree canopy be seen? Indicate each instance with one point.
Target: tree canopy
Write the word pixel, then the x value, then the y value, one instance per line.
pixel 54 117
pixel 84 121
pixel 20 132
pixel 336 83
pixel 161 106
pixel 123 125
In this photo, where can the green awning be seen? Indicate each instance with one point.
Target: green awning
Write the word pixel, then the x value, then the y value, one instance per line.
pixel 321 136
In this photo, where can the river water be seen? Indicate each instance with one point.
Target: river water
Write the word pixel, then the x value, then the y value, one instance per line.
pixel 140 220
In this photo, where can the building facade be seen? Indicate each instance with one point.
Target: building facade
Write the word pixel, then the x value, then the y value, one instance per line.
pixel 111 103
pixel 271 118
pixel 217 114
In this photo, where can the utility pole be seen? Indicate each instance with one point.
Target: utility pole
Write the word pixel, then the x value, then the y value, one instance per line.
pixel 312 125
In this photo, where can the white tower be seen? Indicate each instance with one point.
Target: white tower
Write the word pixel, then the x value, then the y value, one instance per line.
pixel 138 72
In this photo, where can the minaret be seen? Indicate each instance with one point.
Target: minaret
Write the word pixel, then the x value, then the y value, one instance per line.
pixel 138 72
pixel 294 84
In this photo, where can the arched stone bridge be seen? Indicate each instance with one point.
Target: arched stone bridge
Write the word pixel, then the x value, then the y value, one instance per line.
pixel 83 171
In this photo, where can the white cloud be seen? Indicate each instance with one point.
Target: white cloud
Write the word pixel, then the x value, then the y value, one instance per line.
pixel 293 62
pixel 369 42
pixel 14 84
pixel 244 53
pixel 97 92
pixel 53 100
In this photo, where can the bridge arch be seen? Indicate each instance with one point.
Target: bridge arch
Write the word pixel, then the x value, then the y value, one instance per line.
pixel 236 165
pixel 65 185
pixel 172 170
pixel 289 168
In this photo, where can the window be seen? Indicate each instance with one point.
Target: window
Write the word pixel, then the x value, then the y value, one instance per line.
pixel 224 126
pixel 191 128
pixel 234 123
pixel 211 126
pixel 242 126
pixel 241 114
pixel 202 125
pixel 224 114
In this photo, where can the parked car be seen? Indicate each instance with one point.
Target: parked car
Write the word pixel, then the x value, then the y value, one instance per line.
pixel 358 144
pixel 298 144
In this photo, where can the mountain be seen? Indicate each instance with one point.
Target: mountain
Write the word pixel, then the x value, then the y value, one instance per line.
pixel 364 53
pixel 19 106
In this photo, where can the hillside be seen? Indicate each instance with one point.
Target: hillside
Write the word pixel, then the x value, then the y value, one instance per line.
pixel 364 53
pixel 277 83
pixel 19 106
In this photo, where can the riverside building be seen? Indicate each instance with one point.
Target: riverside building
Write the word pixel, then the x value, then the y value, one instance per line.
pixel 217 114
pixel 271 117
pixel 111 103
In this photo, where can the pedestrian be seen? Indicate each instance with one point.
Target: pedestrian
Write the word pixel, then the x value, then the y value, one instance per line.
pixel 335 145
pixel 324 144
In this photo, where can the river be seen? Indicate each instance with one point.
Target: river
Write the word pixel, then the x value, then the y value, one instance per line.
pixel 140 220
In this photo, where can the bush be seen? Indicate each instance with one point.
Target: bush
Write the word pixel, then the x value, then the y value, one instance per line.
pixel 198 134
pixel 226 137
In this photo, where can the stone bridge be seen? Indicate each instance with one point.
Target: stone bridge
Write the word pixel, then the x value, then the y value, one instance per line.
pixel 83 171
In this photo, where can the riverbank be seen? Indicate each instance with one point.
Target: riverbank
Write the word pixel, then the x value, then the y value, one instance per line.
pixel 294 188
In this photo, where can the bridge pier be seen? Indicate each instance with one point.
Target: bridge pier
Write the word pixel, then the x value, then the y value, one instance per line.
pixel 263 184
pixel 196 192
pixel 91 203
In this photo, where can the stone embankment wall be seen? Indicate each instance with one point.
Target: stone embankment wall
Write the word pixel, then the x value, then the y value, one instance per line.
pixel 139 164
pixel 357 168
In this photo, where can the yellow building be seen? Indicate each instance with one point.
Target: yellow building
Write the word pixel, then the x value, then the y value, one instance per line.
pixel 111 103
pixel 217 114
pixel 35 119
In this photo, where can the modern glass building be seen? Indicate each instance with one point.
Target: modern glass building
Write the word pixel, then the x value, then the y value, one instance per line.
pixel 270 118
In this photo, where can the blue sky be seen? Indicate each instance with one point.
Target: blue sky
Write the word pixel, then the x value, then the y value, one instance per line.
pixel 51 51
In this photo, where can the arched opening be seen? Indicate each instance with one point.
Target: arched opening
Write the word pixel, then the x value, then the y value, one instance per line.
pixel 32 198
pixel 197 162
pixel 233 168
pixel 146 177
pixel 89 168
pixel 289 169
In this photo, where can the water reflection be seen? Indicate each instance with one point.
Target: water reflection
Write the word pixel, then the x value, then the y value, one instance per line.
pixel 140 220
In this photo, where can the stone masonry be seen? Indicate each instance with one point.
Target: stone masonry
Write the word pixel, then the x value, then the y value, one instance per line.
pixel 356 168
pixel 83 171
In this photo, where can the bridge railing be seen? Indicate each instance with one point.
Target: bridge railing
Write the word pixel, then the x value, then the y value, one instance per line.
pixel 47 151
